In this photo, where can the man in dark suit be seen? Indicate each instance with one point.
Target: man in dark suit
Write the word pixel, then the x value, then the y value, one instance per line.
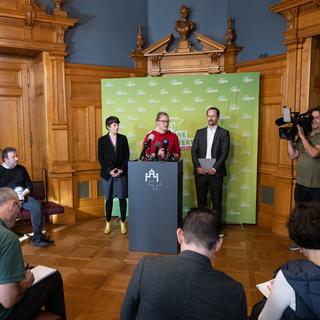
pixel 186 286
pixel 211 142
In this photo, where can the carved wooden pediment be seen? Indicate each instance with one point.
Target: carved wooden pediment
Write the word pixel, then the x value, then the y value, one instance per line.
pixel 212 57
pixel 160 46
pixel 185 59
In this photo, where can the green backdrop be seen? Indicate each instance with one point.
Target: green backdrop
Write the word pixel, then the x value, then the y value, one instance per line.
pixel 136 101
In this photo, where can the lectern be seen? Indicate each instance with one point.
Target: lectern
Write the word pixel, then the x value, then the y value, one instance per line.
pixel 155 205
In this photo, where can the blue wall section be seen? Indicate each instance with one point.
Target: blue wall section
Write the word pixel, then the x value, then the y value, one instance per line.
pixel 209 17
pixel 258 29
pixel 107 29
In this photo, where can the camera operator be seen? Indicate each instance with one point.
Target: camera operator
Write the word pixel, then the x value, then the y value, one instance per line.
pixel 307 152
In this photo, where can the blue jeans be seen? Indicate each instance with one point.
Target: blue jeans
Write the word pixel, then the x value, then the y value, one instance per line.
pixel 34 207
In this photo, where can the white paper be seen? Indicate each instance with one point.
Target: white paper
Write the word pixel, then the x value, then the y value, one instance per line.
pixel 207 164
pixel 41 272
pixel 265 287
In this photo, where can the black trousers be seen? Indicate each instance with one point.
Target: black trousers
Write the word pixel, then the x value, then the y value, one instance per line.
pixel 123 209
pixel 213 184
pixel 306 194
pixel 47 293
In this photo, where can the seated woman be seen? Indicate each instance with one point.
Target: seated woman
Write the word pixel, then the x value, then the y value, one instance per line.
pixel 295 292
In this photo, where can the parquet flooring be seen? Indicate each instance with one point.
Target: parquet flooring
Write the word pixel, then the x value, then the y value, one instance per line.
pixel 96 268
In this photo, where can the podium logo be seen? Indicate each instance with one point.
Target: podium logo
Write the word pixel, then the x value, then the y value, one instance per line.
pixel 152 179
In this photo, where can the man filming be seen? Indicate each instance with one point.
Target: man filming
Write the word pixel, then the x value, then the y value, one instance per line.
pixel 307 152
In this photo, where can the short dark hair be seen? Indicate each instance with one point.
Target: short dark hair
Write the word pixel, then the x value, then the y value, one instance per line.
pixel 202 226
pixel 304 225
pixel 161 113
pixel 314 109
pixel 5 151
pixel 110 120
pixel 214 108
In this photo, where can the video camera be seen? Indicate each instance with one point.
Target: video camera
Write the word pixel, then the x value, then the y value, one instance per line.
pixel 288 123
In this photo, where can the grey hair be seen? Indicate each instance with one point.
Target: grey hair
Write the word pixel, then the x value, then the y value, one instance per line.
pixel 7 194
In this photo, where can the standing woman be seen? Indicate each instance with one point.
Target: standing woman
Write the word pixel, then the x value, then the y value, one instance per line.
pixel 113 154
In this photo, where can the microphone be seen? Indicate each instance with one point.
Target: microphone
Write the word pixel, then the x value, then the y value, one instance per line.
pixel 157 147
pixel 150 139
pixel 165 144
pixel 146 145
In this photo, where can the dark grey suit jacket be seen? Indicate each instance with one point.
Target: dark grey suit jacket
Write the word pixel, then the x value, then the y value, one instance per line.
pixel 182 287
pixel 219 151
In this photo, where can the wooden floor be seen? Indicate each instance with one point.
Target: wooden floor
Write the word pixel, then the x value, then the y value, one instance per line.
pixel 96 268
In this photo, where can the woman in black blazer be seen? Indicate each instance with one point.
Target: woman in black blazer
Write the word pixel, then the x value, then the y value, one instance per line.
pixel 113 155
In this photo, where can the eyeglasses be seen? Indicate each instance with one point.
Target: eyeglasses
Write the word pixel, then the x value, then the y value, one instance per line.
pixel 164 121
pixel 19 215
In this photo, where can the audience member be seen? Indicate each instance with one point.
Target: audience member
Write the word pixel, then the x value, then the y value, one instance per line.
pixel 15 176
pixel 19 299
pixel 186 286
pixel 295 292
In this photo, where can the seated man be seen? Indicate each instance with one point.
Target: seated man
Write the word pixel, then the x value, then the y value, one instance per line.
pixel 19 299
pixel 186 286
pixel 15 176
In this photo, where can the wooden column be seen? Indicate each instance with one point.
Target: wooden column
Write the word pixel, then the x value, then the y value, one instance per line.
pixel 60 170
pixel 230 57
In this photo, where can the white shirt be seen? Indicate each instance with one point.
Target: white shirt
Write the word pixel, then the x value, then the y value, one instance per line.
pixel 281 296
pixel 210 136
pixel 5 166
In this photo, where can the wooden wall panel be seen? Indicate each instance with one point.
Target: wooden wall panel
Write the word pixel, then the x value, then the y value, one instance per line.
pixel 38 120
pixel 268 132
pixel 10 4
pixel 14 107
pixel 83 85
pixel 80 132
pixel 274 168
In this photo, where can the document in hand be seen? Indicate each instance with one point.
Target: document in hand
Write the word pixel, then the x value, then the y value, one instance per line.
pixel 41 272
pixel 207 163
pixel 265 287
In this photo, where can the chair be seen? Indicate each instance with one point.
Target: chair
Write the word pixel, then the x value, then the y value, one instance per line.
pixel 48 207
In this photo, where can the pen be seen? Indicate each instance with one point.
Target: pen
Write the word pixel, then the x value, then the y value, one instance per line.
pixel 27 266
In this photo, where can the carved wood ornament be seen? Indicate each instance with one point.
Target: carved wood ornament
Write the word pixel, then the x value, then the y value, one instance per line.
pixel 30 28
pixel 185 58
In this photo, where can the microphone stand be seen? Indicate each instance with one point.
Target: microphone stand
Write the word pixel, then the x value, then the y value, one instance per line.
pixel 143 155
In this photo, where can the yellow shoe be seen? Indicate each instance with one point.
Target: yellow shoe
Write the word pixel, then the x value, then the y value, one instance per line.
pixel 107 229
pixel 123 227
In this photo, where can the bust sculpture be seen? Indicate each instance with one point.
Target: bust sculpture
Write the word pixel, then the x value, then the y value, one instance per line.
pixel 183 25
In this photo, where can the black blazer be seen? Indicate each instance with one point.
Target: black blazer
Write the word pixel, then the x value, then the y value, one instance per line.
pixel 219 151
pixel 111 157
pixel 182 287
